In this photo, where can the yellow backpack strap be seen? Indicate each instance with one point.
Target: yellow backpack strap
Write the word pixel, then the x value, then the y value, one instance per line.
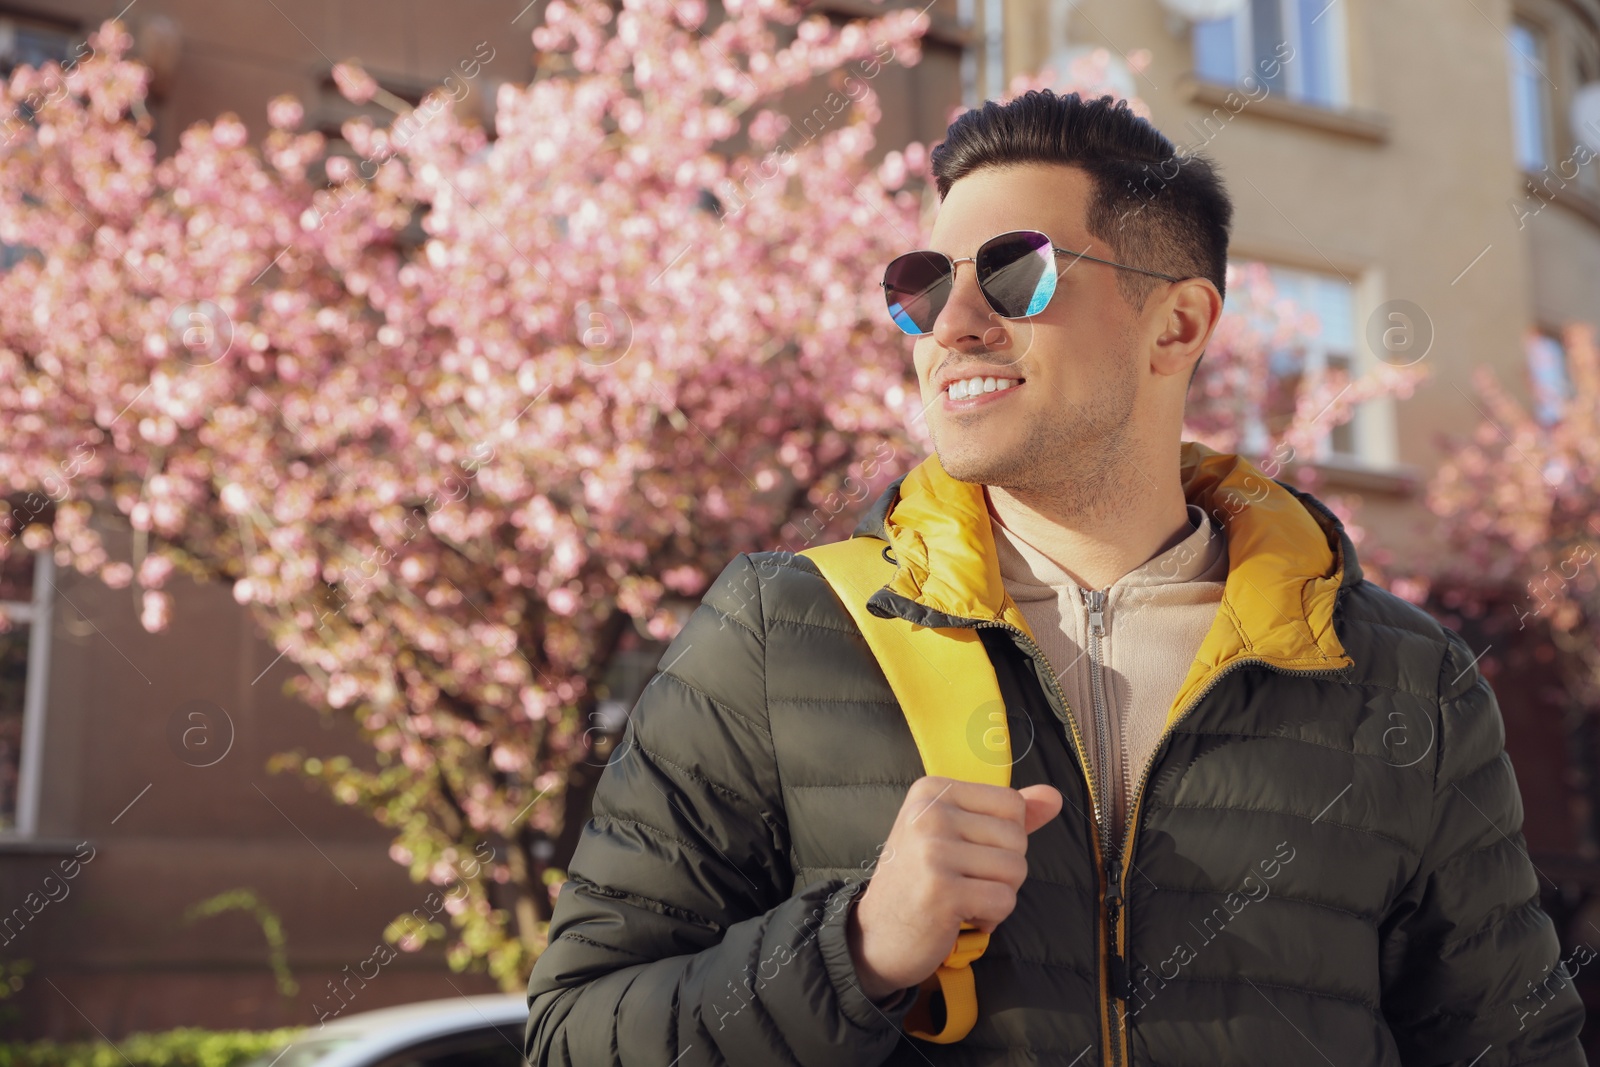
pixel 946 687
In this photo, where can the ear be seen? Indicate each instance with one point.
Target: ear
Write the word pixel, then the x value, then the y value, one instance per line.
pixel 1188 317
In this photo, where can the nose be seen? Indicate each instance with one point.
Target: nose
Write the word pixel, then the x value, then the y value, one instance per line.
pixel 967 321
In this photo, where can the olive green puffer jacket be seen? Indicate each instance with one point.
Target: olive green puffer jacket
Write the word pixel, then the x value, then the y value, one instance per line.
pixel 1325 862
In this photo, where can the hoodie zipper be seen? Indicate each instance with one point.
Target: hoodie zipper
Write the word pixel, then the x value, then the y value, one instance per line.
pixel 1117 969
pixel 1095 600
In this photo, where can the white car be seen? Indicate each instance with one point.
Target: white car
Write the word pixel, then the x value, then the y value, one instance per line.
pixel 480 1031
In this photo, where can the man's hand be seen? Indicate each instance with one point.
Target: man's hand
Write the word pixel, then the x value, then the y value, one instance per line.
pixel 957 852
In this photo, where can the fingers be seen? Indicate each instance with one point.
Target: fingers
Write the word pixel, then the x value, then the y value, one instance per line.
pixel 1030 807
pixel 957 853
pixel 1044 804
pixel 1002 866
pixel 996 801
pixel 986 904
pixel 949 822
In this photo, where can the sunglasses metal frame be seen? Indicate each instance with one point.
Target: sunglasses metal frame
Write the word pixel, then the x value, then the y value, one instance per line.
pixel 974 259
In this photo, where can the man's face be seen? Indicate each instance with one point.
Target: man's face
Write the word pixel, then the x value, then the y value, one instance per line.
pixel 1077 362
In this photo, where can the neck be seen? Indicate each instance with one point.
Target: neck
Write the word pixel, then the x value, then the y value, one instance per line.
pixel 1099 543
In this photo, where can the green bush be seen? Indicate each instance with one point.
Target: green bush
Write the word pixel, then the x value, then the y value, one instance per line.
pixel 185 1047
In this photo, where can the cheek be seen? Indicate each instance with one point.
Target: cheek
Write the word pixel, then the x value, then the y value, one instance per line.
pixel 1090 308
pixel 922 358
pixel 1087 344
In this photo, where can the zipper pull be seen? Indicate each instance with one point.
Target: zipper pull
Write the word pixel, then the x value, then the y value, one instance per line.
pixel 1117 978
pixel 1113 887
pixel 1121 985
pixel 1096 600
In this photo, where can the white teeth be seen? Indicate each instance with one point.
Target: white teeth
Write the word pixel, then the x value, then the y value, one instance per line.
pixel 962 388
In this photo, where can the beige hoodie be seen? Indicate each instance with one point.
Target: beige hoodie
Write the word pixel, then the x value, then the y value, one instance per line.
pixel 1152 621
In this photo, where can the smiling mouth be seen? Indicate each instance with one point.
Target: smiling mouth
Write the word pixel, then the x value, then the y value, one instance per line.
pixel 968 388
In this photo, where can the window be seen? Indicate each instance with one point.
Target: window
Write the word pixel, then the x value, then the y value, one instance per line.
pixel 1330 350
pixel 1295 48
pixel 1547 374
pixel 26 578
pixel 26 42
pixel 1530 114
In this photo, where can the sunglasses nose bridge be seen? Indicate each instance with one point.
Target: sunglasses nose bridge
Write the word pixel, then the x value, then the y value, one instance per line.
pixel 986 299
pixel 955 270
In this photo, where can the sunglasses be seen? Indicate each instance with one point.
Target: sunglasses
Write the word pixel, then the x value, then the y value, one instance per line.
pixel 1015 274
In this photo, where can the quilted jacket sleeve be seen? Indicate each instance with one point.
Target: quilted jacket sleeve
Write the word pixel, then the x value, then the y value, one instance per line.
pixel 1472 971
pixel 678 939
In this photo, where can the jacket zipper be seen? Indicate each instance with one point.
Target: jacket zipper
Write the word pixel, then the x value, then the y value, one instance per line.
pixel 1111 896
pixel 1117 976
pixel 1119 871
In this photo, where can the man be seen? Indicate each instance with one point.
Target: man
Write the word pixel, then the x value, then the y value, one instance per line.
pixel 1259 809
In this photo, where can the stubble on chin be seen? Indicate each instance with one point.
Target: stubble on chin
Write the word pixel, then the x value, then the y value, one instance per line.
pixel 1077 458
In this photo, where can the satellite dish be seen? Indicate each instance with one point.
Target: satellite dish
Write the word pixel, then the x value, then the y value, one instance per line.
pixel 1586 116
pixel 1203 10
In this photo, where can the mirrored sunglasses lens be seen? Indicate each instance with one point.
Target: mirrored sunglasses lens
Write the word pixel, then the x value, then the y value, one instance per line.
pixel 1017 273
pixel 917 285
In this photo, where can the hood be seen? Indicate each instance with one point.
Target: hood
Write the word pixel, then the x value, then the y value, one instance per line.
pixel 1288 557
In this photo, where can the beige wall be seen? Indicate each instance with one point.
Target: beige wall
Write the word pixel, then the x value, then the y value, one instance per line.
pixel 1400 194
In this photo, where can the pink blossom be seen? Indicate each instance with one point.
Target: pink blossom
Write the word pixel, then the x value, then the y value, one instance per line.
pixel 285 112
pixel 563 601
pixel 354 82
pixel 155 611
pixel 154 570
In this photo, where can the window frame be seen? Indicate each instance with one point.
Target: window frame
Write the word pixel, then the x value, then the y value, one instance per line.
pixel 1293 90
pixel 13 23
pixel 38 615
pixel 1371 427
pixel 1539 35
pixel 1547 397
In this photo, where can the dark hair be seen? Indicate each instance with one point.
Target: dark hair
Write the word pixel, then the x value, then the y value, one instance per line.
pixel 1156 208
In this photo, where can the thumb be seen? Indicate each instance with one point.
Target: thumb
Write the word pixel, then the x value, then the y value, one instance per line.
pixel 1044 804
